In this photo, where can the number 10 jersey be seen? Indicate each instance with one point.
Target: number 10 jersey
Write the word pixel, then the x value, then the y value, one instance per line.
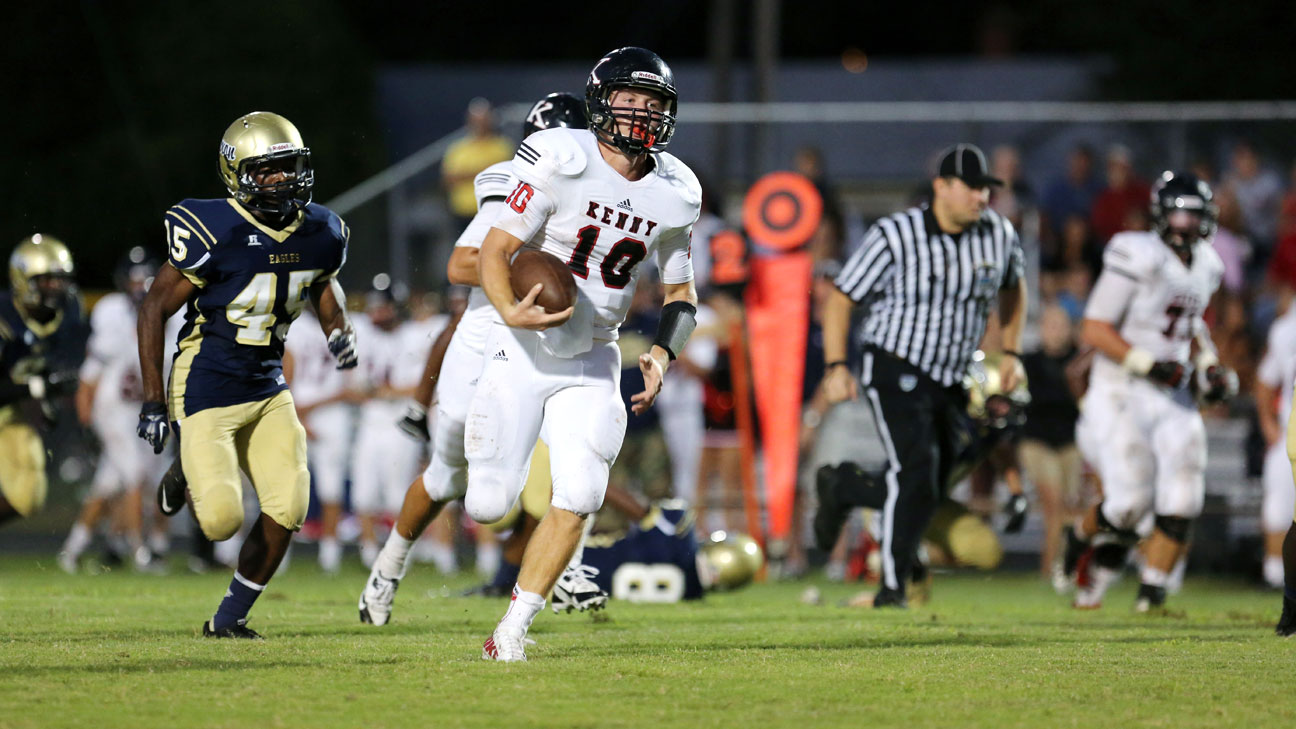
pixel 569 202
pixel 252 283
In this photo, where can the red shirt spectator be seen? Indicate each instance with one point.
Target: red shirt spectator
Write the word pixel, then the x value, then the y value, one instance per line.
pixel 1122 205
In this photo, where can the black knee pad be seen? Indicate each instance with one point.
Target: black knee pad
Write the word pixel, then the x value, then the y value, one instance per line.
pixel 1111 555
pixel 856 486
pixel 1175 527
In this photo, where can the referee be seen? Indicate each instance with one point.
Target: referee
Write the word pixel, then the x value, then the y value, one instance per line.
pixel 926 277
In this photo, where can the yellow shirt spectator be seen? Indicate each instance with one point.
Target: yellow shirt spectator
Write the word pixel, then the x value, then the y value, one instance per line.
pixel 463 160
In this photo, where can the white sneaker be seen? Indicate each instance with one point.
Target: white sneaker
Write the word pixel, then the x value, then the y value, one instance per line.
pixel 505 644
pixel 377 598
pixel 576 590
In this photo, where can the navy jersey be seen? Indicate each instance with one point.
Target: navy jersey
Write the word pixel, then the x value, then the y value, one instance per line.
pixel 668 540
pixel 252 283
pixel 28 347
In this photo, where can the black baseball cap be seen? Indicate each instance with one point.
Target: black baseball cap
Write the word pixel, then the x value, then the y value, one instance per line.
pixel 968 163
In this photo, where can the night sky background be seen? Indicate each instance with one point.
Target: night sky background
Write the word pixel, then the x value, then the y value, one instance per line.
pixel 114 109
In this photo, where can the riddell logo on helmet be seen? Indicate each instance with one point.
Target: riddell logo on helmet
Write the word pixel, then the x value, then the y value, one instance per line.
pixel 647 76
pixel 282 146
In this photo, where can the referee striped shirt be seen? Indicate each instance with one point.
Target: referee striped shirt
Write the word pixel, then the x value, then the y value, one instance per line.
pixel 927 293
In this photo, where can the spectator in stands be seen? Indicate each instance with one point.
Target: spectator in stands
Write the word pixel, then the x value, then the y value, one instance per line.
pixel 1229 242
pixel 1122 205
pixel 479 149
pixel 1287 211
pixel 1069 195
pixel 827 243
pixel 1259 195
pixel 1015 200
pixel 1047 451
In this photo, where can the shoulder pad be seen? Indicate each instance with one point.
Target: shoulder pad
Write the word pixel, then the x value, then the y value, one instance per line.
pixel 1133 254
pixel 195 229
pixel 494 181
pixel 678 174
pixel 334 222
pixel 550 153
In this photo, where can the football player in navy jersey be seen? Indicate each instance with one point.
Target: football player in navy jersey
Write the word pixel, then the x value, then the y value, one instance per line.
pixel 42 342
pixel 243 267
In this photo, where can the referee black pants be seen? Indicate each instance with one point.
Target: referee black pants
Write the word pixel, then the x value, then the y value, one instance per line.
pixel 918 421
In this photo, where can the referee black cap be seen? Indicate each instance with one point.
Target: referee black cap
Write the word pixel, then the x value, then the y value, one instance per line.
pixel 968 163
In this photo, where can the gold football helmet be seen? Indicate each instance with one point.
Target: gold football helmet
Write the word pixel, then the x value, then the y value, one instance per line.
pixel 265 142
pixel 40 273
pixel 729 561
pixel 988 404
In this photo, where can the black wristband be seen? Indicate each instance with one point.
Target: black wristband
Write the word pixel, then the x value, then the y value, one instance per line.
pixel 835 363
pixel 678 320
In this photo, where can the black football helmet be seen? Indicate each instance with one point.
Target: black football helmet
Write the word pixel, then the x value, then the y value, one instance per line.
pixel 640 68
pixel 1183 209
pixel 555 110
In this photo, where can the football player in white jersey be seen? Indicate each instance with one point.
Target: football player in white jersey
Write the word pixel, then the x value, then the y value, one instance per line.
pixel 603 200
pixel 319 391
pixel 108 397
pixel 455 376
pixel 1273 395
pixel 1145 319
pixel 383 460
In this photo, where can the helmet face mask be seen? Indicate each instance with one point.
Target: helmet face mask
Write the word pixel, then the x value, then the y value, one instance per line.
pixel 265 166
pixel 633 130
pixel 1183 210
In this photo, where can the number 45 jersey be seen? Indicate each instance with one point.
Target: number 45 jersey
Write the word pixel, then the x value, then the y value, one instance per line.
pixel 252 283
pixel 1153 299
pixel 569 202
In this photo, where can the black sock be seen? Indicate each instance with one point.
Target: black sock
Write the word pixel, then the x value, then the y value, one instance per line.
pixel 1289 563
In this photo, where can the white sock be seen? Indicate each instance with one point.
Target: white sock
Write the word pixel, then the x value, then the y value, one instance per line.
pixel 579 554
pixel 1273 570
pixel 488 559
pixel 394 557
pixel 443 556
pixel 79 538
pixel 159 542
pixel 1153 576
pixel 1174 581
pixel 330 553
pixel 522 610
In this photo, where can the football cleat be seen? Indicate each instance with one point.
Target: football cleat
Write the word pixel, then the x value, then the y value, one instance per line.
pixel 576 590
pixel 1287 623
pixel 377 598
pixel 171 489
pixel 506 645
pixel 1150 599
pixel 237 630
pixel 1093 585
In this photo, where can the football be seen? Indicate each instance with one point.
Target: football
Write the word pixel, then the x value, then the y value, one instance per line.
pixel 531 267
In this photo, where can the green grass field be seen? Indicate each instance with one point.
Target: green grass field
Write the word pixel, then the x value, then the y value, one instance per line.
pixel 124 650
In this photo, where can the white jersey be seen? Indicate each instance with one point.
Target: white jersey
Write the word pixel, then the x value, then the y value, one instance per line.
pixel 1153 299
pixel 112 354
pixel 1278 367
pixel 389 359
pixel 316 377
pixel 491 186
pixel 569 202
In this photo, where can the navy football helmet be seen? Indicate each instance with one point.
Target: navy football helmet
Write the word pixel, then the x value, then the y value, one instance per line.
pixel 1183 209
